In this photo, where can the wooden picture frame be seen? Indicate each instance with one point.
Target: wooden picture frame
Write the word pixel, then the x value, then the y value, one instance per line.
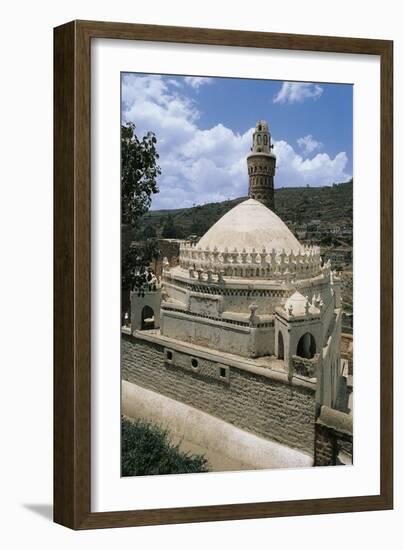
pixel 72 269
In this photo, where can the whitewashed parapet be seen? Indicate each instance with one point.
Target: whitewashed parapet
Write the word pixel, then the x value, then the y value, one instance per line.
pixel 280 264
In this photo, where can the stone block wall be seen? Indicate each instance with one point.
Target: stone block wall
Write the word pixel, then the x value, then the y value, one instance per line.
pixel 325 448
pixel 333 438
pixel 269 408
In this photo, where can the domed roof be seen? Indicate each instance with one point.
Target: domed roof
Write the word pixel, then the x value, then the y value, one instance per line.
pixel 297 303
pixel 250 225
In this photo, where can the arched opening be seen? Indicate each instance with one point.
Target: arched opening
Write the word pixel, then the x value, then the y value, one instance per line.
pixel 306 346
pixel 280 345
pixel 147 318
pixel 265 139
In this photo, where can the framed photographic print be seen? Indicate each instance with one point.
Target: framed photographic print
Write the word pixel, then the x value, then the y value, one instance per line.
pixel 223 275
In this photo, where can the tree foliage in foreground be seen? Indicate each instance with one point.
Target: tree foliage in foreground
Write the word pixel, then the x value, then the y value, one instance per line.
pixel 135 272
pixel 139 173
pixel 138 183
pixel 147 450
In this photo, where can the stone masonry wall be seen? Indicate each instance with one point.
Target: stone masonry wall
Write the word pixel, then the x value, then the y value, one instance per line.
pixel 325 447
pixel 333 435
pixel 271 409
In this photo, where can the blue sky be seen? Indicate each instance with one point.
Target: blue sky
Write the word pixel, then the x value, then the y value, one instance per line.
pixel 204 131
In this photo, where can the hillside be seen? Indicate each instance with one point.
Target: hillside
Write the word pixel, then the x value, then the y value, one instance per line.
pixel 295 205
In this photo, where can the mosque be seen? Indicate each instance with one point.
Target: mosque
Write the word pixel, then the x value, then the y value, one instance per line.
pixel 247 327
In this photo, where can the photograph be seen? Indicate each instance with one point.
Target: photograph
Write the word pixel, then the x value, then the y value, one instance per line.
pixel 236 274
pixel 203 226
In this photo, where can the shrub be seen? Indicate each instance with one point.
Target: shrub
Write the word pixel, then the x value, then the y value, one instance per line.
pixel 147 450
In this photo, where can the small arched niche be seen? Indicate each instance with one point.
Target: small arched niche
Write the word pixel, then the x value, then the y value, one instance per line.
pixel 147 318
pixel 306 347
pixel 280 345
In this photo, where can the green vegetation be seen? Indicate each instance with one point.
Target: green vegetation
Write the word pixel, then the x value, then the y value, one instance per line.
pixel 170 231
pixel 138 183
pixel 139 173
pixel 294 205
pixel 303 204
pixel 147 450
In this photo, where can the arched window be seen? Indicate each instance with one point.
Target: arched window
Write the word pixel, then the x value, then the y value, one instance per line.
pixel 306 346
pixel 280 345
pixel 147 318
pixel 265 139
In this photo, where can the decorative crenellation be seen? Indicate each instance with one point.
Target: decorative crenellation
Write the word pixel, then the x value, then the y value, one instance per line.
pixel 213 265
pixel 216 290
pixel 203 287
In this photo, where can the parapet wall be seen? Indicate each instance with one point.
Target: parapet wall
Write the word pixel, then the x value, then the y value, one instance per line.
pixel 261 404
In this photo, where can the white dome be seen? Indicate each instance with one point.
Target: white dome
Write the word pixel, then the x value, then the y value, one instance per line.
pixel 250 225
pixel 297 303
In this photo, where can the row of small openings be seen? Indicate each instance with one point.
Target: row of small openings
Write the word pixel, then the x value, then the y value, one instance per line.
pixel 258 168
pixel 195 363
pixel 260 180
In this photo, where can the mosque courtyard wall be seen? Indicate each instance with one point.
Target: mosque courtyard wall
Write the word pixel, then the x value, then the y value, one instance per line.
pixel 252 398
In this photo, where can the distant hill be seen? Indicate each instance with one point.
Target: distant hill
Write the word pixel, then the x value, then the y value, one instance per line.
pixel 294 205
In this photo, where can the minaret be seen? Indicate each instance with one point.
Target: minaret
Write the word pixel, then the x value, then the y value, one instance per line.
pixel 262 166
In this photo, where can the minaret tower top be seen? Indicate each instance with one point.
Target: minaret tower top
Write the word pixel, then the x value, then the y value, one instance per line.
pixel 262 166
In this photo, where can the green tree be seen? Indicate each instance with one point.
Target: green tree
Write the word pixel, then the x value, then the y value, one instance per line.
pixel 139 172
pixel 169 229
pixel 135 264
pixel 149 232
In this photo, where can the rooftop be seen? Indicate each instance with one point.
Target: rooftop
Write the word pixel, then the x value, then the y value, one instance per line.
pixel 250 225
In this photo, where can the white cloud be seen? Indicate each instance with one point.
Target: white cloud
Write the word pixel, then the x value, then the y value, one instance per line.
pixel 208 165
pixel 197 81
pixel 308 144
pixel 297 92
pixel 294 170
pixel 175 83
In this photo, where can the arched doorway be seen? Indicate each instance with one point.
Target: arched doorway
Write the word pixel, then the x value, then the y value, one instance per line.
pixel 280 345
pixel 147 318
pixel 306 346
